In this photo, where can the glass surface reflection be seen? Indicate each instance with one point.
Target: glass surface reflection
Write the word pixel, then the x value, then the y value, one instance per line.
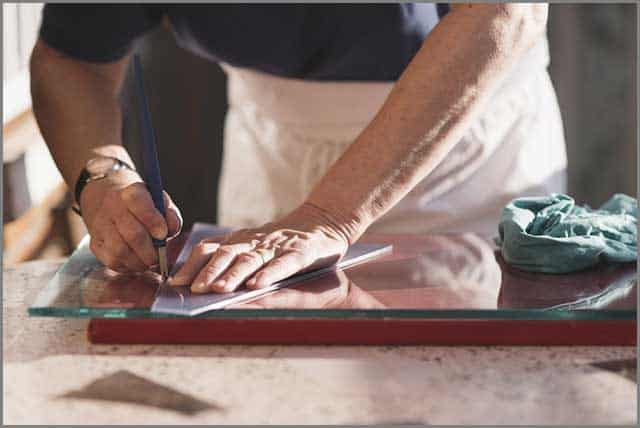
pixel 604 287
pixel 423 273
pixel 439 272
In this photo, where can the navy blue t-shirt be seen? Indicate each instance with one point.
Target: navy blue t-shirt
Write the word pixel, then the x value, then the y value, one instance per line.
pixel 307 41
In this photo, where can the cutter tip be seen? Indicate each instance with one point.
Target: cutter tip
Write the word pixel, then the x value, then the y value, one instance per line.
pixel 162 260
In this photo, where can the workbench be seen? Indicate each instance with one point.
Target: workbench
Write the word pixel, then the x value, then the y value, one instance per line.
pixel 54 375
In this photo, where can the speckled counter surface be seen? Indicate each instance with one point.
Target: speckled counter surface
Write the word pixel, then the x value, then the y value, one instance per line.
pixel 52 375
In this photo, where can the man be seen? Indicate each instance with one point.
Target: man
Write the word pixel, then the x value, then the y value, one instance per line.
pixel 342 118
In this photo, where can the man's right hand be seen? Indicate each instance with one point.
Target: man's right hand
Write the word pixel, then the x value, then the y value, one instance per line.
pixel 121 219
pixel 77 105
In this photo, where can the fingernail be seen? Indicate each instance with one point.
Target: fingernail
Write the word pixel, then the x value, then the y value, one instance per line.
pixel 160 232
pixel 251 282
pixel 199 287
pixel 228 289
pixel 220 284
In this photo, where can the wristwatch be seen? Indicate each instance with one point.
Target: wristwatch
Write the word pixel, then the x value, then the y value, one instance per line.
pixel 96 169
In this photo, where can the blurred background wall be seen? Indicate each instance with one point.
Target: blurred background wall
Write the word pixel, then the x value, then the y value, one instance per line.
pixel 593 66
pixel 594 69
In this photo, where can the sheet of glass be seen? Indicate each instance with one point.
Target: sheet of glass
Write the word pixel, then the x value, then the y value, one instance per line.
pixel 181 301
pixel 438 276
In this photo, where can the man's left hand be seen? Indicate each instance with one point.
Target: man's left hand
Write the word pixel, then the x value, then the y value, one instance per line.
pixel 304 240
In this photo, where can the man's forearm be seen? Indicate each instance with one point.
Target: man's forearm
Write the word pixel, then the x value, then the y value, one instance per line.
pixel 429 110
pixel 77 108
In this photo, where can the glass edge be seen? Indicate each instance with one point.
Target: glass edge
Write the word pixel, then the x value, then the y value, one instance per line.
pixel 480 314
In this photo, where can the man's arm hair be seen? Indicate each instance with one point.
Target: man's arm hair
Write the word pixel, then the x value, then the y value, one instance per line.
pixel 428 111
pixel 76 104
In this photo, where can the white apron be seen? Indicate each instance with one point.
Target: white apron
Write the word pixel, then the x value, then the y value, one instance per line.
pixel 281 135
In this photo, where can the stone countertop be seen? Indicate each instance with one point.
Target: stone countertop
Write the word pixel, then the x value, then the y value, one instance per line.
pixel 53 375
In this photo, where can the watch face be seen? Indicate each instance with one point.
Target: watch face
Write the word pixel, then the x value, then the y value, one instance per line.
pixel 101 165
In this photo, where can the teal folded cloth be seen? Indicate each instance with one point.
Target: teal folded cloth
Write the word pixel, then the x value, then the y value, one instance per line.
pixel 551 234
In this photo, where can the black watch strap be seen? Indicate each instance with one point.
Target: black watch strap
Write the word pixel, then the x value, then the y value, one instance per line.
pixel 80 183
